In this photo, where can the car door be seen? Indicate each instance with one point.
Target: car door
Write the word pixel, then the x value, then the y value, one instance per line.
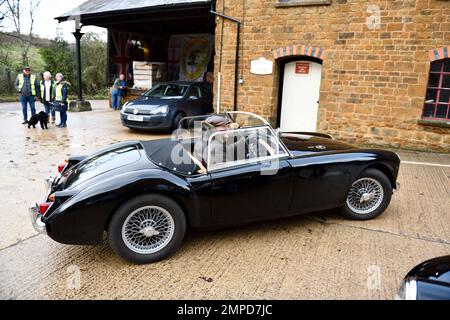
pixel 194 101
pixel 245 194
pixel 320 183
pixel 248 184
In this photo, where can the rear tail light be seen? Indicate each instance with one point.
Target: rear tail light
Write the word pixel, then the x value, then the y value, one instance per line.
pixel 43 207
pixel 61 167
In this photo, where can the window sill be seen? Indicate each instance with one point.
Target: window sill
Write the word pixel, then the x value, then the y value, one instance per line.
pixel 434 123
pixel 301 3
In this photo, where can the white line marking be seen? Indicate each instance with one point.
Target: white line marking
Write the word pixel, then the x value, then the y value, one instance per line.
pixel 426 164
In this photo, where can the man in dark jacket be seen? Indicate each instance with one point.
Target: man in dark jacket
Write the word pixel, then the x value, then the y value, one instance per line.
pixel 27 85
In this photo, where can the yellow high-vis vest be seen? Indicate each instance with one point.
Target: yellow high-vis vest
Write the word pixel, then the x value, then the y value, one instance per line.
pixel 58 92
pixel 32 83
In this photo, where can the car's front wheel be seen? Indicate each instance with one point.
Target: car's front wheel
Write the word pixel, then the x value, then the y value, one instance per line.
pixel 369 196
pixel 176 120
pixel 147 228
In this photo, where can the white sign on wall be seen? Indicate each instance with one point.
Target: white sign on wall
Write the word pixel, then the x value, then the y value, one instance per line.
pixel 261 66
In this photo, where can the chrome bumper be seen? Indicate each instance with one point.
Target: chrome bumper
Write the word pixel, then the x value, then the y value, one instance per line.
pixel 49 182
pixel 36 219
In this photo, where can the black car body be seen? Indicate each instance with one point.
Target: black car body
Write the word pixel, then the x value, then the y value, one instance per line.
pixel 163 106
pixel 296 173
pixel 430 280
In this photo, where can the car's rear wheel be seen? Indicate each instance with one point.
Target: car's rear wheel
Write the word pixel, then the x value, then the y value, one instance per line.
pixel 369 196
pixel 147 228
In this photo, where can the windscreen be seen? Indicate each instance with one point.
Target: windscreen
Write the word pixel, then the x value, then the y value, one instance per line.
pixel 168 91
pixel 245 119
pixel 236 147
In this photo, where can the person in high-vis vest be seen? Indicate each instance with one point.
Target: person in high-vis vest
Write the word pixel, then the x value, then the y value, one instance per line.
pixel 60 99
pixel 47 91
pixel 27 85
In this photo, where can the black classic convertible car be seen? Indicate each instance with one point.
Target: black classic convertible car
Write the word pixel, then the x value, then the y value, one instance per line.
pixel 216 170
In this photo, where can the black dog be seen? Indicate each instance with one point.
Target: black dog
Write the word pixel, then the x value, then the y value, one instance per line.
pixel 41 117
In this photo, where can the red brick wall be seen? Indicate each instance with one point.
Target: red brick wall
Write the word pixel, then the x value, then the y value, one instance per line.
pixel 373 80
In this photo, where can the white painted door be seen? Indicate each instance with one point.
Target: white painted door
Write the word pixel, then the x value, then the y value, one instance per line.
pixel 300 98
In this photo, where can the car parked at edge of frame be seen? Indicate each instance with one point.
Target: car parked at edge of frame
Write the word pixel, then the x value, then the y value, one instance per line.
pixel 430 280
pixel 230 170
pixel 164 105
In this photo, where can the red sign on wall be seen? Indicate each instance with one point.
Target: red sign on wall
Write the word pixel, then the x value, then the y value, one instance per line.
pixel 302 67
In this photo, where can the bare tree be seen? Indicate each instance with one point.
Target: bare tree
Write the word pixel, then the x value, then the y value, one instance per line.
pixel 3 12
pixel 13 11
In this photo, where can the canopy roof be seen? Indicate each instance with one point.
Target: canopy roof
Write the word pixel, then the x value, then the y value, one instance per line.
pixel 150 17
pixel 104 8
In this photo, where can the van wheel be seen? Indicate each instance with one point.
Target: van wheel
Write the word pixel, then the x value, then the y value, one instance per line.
pixel 369 196
pixel 147 228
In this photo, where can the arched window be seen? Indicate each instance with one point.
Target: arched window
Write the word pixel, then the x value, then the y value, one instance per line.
pixel 437 101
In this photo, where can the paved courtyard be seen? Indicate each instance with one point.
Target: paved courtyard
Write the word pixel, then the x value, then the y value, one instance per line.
pixel 318 256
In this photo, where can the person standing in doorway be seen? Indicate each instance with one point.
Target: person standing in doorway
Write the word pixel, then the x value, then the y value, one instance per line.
pixel 47 92
pixel 117 91
pixel 60 93
pixel 27 85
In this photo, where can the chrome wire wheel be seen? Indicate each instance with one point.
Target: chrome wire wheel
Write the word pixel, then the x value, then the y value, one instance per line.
pixel 365 196
pixel 148 229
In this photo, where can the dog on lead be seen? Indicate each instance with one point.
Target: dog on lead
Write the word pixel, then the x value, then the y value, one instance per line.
pixel 41 118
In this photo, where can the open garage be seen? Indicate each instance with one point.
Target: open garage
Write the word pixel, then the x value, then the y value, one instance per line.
pixel 153 41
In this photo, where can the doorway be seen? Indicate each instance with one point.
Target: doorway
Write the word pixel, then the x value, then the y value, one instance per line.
pixel 300 80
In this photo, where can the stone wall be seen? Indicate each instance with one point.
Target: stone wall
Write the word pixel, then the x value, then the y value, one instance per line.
pixel 374 75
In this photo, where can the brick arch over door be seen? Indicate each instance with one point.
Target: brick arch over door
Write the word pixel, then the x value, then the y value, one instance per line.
pixel 298 50
pixel 439 53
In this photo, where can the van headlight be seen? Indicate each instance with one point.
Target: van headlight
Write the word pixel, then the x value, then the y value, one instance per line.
pixel 407 290
pixel 160 110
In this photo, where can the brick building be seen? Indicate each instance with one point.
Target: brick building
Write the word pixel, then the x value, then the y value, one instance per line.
pixel 380 69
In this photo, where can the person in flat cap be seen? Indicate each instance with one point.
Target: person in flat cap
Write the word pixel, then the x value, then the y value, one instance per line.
pixel 27 85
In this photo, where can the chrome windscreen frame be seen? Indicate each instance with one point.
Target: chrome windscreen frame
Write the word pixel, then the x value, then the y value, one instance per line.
pixel 285 153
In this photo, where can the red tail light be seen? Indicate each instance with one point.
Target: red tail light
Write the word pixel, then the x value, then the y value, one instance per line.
pixel 61 167
pixel 43 207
